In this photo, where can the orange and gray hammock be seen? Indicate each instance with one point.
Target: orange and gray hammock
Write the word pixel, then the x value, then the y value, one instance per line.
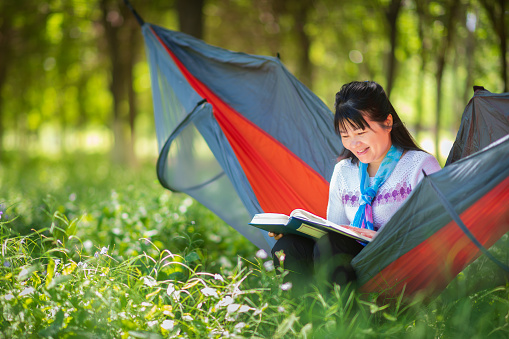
pixel 242 135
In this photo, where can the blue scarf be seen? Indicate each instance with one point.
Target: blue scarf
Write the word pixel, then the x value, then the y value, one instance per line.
pixel 364 216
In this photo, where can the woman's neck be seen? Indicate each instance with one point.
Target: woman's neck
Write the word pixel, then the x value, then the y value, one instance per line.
pixel 373 168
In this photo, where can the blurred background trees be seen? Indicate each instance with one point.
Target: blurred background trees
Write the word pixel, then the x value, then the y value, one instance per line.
pixel 73 73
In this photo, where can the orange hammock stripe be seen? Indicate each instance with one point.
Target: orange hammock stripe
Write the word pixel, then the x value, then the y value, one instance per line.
pixel 280 180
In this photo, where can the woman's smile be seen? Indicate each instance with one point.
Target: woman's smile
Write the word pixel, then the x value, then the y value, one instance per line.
pixel 369 145
pixel 362 151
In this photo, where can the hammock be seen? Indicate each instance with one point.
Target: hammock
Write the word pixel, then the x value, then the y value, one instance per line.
pixel 242 135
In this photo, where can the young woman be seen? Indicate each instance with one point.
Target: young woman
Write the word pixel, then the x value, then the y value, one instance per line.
pixel 381 166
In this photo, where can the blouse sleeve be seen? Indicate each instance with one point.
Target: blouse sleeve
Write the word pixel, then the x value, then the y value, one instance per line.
pixel 429 164
pixel 335 208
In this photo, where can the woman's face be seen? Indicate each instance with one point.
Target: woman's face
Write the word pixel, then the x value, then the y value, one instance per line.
pixel 369 145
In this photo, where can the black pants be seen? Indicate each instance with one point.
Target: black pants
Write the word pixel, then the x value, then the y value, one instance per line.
pixel 326 260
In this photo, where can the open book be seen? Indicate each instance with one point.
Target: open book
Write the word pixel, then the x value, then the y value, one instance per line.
pixel 306 224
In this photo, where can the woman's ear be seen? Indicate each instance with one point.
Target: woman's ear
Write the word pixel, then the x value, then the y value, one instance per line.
pixel 388 122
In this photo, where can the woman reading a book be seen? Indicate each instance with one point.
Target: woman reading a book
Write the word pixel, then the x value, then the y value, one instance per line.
pixel 381 166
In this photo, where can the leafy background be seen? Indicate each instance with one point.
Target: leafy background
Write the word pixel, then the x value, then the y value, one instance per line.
pixel 93 246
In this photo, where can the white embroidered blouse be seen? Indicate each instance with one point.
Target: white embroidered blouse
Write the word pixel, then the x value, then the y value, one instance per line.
pixel 344 190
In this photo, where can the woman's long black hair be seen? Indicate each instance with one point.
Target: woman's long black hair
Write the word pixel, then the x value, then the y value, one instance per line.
pixel 367 98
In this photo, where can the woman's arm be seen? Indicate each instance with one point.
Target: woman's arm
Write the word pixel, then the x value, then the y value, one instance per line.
pixel 429 165
pixel 335 208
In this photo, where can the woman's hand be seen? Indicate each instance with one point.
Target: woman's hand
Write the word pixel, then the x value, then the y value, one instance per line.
pixel 276 236
pixel 367 233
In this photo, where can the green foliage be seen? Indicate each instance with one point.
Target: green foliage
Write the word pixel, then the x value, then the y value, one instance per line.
pixel 55 67
pixel 93 250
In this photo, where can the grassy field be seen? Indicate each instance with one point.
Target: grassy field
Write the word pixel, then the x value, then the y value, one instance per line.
pixel 94 250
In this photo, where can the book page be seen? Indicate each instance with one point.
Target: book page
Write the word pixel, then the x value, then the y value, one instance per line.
pixel 270 218
pixel 303 214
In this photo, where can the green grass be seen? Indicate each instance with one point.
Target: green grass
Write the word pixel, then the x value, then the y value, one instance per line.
pixel 95 250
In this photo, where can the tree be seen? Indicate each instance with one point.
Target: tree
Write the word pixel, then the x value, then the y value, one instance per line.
pixel 391 15
pixel 6 31
pixel 470 42
pixel 496 10
pixel 122 44
pixel 298 12
pixel 423 22
pixel 191 19
pixel 449 21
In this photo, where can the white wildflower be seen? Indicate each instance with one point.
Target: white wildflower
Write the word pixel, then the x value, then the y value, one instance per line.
pixel 218 277
pixel 244 308
pixel 269 266
pixel 146 304
pixel 286 286
pixel 88 244
pixel 171 289
pixel 176 296
pixel 104 250
pixel 261 309
pixel 236 291
pixel 9 296
pixel 168 325
pixel 152 323
pixel 280 309
pixel 209 292
pixel 225 301
pixel 281 256
pixel 232 308
pixel 187 317
pixel 27 291
pixel 240 326
pixel 261 254
pixel 149 281
pixel 23 272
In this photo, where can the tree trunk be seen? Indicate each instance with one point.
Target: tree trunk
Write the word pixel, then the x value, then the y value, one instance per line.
pixel 441 60
pixel 191 21
pixel 391 14
pixel 133 46
pixel 503 44
pixel 5 42
pixel 116 22
pixel 496 12
pixel 423 19
pixel 190 14
pixel 470 48
pixel 305 68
